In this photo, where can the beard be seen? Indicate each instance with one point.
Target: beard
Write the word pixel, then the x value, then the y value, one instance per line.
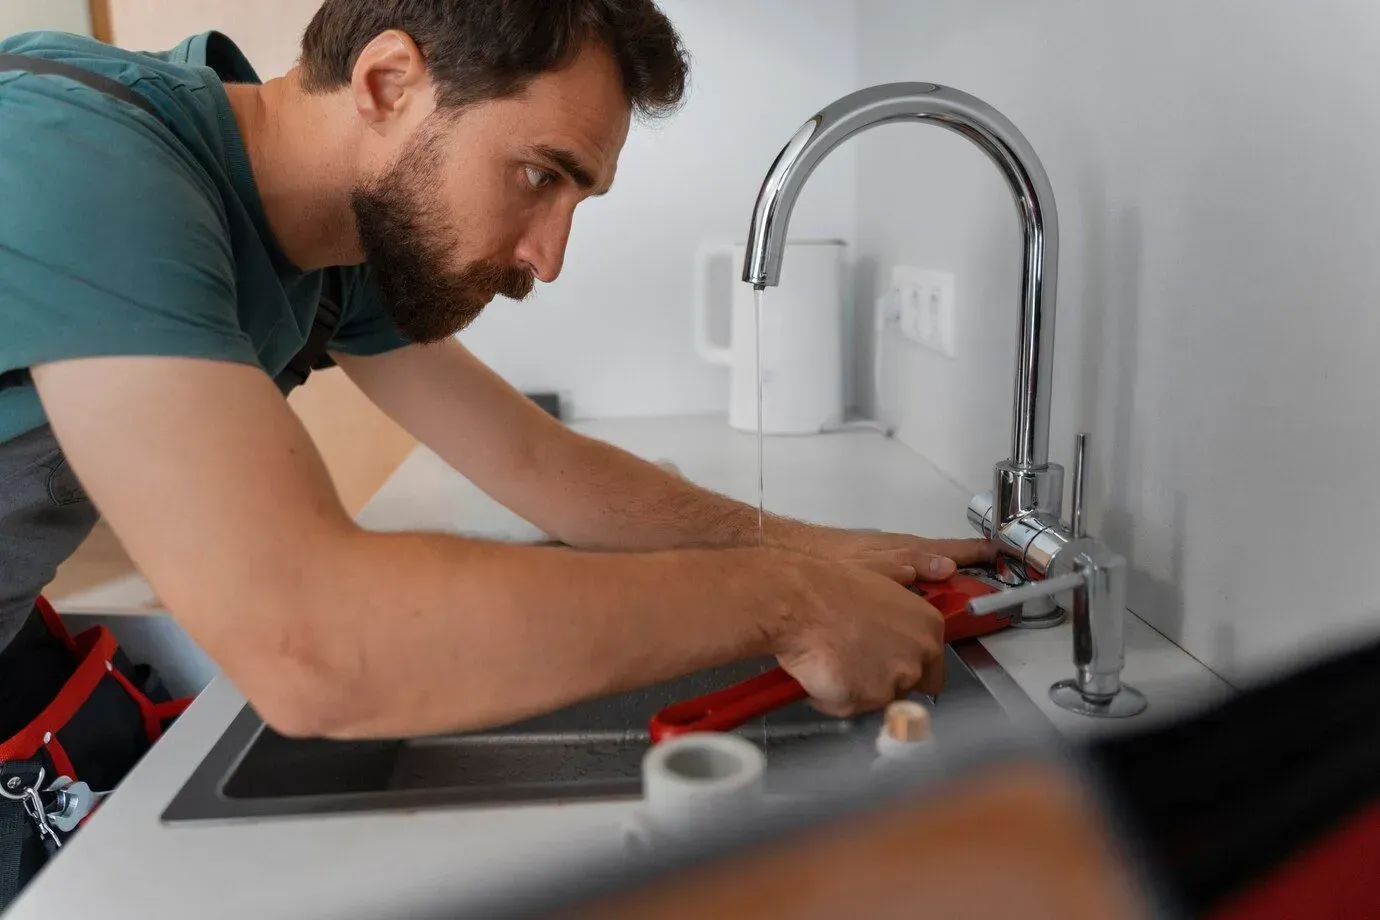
pixel 409 246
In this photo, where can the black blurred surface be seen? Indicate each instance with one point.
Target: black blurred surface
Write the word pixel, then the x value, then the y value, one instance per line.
pixel 550 402
pixel 1222 799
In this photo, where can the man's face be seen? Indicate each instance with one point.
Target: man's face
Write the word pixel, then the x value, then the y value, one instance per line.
pixel 480 202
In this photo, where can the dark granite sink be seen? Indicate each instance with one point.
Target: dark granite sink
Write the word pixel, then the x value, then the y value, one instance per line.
pixel 589 750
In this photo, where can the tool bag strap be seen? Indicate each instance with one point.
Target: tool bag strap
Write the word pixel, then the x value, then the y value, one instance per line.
pixel 22 854
pixel 312 355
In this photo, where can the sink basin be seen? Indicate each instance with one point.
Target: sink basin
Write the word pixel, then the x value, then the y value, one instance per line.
pixel 589 750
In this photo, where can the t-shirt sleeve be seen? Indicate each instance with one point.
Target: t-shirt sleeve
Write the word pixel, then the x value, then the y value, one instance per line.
pixel 365 327
pixel 113 241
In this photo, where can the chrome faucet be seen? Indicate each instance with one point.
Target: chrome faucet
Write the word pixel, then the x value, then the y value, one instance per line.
pixel 1021 513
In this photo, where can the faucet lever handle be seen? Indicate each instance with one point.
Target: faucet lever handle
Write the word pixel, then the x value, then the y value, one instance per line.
pixel 1047 587
pixel 1077 523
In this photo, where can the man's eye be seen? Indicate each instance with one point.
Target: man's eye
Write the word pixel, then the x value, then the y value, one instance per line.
pixel 538 178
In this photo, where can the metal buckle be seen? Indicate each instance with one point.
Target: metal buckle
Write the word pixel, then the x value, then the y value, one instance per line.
pixel 33 806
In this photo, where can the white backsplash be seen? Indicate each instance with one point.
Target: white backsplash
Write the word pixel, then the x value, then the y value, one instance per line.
pixel 1215 172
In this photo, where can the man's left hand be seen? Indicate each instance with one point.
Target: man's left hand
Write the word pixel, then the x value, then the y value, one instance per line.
pixel 932 560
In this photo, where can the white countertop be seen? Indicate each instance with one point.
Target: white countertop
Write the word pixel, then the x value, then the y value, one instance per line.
pixel 126 862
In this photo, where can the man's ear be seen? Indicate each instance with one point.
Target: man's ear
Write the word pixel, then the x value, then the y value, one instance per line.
pixel 390 84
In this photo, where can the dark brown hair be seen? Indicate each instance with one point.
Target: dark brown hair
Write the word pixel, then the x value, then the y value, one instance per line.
pixel 490 49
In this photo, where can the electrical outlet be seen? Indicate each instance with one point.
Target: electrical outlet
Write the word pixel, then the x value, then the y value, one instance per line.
pixel 911 312
pixel 927 307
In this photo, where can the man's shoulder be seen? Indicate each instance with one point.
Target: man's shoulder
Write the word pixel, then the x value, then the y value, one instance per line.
pixel 77 128
pixel 183 85
pixel 178 67
pixel 89 180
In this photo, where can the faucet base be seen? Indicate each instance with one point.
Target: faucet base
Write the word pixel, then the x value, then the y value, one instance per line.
pixel 1041 613
pixel 1018 491
pixel 1127 702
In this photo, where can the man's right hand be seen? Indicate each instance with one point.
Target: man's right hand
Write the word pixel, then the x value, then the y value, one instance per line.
pixel 857 638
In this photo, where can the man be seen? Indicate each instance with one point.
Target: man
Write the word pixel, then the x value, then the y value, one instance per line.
pixel 157 271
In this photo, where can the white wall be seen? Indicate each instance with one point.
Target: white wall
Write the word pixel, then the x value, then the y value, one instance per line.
pixel 1215 167
pixel 268 31
pixel 28 15
pixel 614 333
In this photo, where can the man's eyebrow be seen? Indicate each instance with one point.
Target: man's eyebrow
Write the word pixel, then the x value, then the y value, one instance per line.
pixel 569 163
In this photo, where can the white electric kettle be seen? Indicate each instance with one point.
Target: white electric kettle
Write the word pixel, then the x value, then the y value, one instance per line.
pixel 802 338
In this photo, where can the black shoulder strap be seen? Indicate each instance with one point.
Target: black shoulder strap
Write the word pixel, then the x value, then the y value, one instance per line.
pixel 312 355
pixel 98 82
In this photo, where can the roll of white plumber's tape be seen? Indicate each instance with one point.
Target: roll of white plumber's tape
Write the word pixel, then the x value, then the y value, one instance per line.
pixel 692 780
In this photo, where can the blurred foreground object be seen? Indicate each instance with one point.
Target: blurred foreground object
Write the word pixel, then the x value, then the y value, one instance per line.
pixel 1264 807
pixel 1268 805
pixel 1022 840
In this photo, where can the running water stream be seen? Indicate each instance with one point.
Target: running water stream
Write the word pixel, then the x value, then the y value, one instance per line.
pixel 757 297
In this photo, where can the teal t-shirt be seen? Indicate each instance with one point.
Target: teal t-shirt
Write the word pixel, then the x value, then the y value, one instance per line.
pixel 125 234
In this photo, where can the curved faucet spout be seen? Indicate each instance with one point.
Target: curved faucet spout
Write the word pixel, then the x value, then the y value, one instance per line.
pixel 1005 146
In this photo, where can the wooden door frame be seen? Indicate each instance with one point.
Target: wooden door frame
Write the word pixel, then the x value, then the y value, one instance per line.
pixel 100 20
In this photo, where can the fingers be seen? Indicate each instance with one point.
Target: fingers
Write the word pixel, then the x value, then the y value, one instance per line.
pixel 835 710
pixel 930 652
pixel 936 560
pixel 907 678
pixel 921 647
pixel 894 565
pixel 928 678
pixel 869 643
pixel 933 677
pixel 963 552
pixel 930 567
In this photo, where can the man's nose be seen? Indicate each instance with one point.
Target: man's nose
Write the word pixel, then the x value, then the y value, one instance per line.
pixel 542 248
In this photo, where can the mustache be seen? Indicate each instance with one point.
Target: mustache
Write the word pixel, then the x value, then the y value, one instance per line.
pixel 493 278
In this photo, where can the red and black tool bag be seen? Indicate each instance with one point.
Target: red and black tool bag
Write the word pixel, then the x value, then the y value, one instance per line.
pixel 102 714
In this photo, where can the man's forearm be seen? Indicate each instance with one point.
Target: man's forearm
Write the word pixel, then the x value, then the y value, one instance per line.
pixel 580 490
pixel 421 633
pixel 604 497
pixel 577 489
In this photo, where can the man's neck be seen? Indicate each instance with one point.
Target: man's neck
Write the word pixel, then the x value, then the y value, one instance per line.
pixel 305 184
